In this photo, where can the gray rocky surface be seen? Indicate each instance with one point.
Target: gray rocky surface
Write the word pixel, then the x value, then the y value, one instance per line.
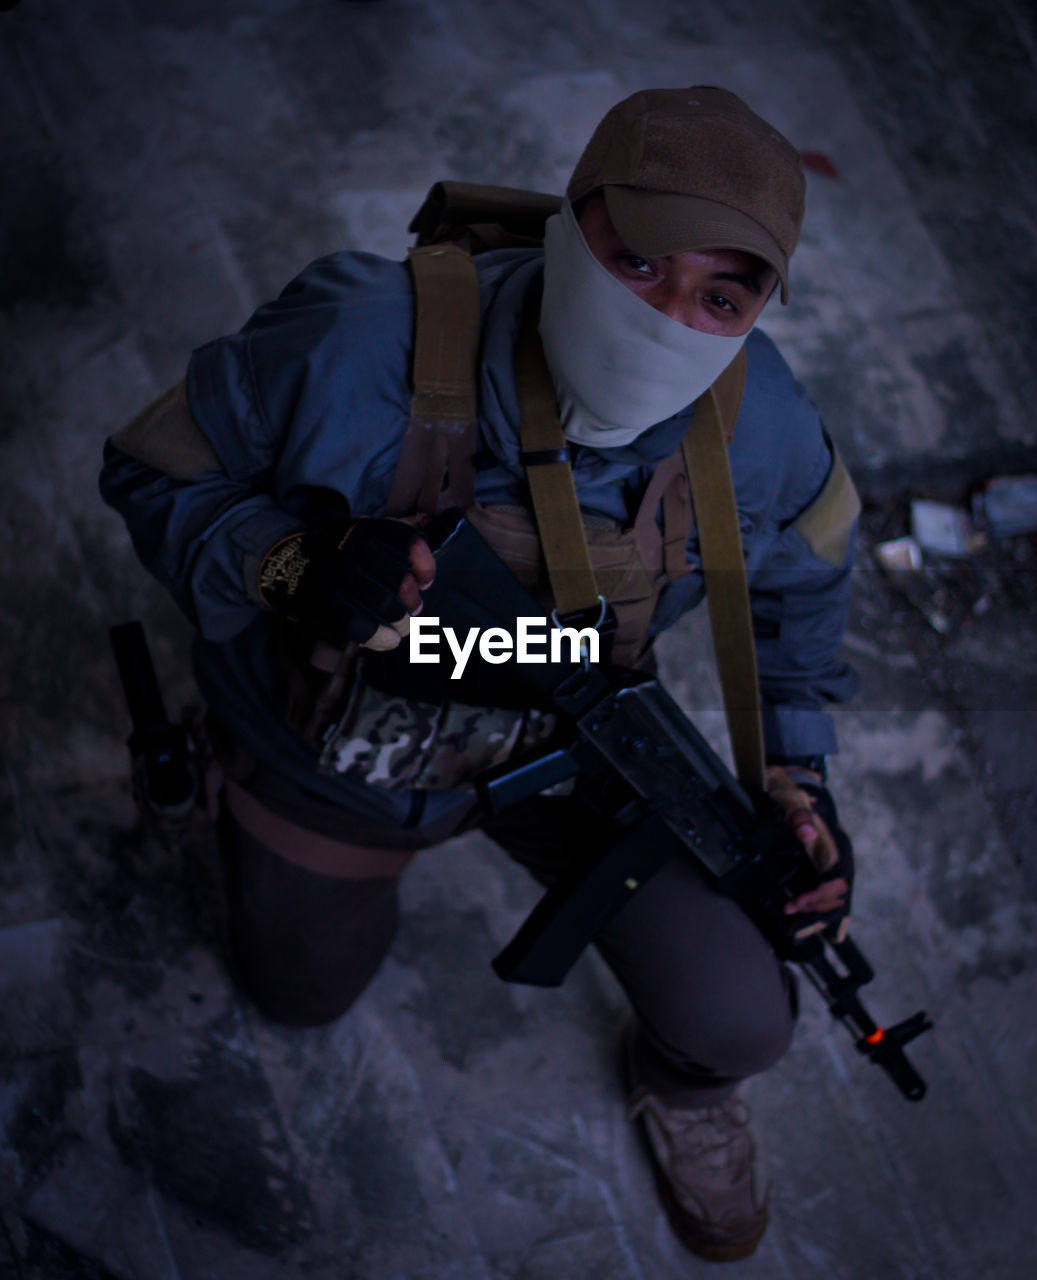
pixel 168 167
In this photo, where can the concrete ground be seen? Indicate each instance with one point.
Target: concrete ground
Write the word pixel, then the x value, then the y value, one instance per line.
pixel 168 167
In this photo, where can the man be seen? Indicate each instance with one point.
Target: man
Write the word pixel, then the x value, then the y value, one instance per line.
pixel 257 492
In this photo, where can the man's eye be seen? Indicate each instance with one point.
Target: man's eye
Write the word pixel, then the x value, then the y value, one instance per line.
pixel 635 263
pixel 718 300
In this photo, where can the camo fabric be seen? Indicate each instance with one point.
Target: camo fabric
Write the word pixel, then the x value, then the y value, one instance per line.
pixel 393 742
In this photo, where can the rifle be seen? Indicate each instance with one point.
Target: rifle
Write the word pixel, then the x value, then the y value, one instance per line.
pixel 667 791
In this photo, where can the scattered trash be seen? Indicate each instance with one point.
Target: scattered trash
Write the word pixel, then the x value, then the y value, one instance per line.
pixel 944 530
pixel 1007 505
pixel 898 555
pixel 952 565
pixel 902 561
pixel 940 621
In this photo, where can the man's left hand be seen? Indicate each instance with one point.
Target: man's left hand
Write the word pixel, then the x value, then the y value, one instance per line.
pixel 828 845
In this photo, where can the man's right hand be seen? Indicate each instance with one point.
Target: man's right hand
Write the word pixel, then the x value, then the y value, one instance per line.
pixel 358 580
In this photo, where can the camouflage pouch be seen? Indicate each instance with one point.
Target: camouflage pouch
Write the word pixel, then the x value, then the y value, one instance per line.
pixel 394 742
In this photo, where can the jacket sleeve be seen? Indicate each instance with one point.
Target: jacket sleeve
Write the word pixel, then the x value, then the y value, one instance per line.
pixel 201 537
pixel 306 399
pixel 799 582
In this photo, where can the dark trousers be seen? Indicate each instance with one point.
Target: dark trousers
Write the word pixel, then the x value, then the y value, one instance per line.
pixel 713 1003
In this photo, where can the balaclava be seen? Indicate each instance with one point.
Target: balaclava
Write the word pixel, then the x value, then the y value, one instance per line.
pixel 679 169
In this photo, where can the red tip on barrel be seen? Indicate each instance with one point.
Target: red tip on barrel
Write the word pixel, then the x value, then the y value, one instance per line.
pixel 876 1037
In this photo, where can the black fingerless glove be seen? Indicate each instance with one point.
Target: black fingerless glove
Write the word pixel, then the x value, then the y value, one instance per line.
pixel 824 807
pixel 343 577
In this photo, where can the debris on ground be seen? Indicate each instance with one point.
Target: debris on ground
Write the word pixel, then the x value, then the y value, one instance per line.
pixel 899 554
pixel 1007 505
pixel 952 561
pixel 943 529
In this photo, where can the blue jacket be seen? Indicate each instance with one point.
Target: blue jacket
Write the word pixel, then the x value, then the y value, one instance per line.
pixel 314 392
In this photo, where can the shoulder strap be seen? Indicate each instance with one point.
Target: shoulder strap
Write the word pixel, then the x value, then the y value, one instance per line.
pixel 727 587
pixel 435 468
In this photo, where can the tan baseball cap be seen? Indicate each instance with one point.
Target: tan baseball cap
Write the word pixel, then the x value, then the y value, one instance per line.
pixel 695 168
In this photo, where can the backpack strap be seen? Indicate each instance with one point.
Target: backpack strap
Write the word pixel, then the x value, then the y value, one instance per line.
pixel 545 455
pixel 435 467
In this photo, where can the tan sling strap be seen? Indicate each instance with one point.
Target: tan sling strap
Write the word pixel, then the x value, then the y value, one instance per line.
pixel 435 467
pixel 727 587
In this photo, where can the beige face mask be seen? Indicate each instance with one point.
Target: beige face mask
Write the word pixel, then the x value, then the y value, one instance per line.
pixel 619 366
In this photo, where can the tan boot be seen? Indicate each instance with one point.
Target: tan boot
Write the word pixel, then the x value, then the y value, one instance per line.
pixel 704 1161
